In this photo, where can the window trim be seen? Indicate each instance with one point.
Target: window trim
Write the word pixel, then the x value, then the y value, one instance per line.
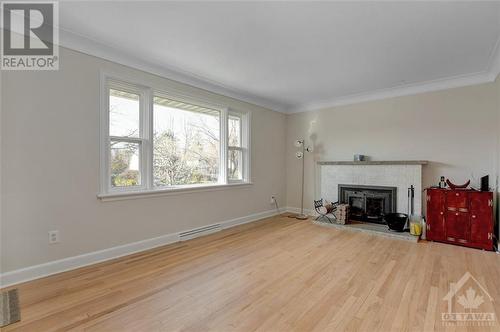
pixel 142 140
pixel 147 91
pixel 244 146
pixel 170 191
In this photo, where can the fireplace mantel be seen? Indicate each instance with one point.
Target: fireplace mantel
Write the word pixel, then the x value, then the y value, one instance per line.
pixel 376 162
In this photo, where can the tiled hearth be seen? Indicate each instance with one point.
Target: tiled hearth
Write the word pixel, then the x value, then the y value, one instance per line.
pixel 370 228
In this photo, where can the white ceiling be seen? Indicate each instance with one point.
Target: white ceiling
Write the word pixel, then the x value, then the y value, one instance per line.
pixel 294 56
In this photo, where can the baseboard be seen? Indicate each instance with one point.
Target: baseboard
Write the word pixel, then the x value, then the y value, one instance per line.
pixel 309 212
pixel 46 269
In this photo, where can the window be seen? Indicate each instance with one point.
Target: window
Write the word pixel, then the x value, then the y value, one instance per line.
pixel 125 139
pixel 235 150
pixel 186 143
pixel 154 141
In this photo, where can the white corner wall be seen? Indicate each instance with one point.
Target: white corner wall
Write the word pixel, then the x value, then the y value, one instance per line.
pixel 456 130
pixel 50 169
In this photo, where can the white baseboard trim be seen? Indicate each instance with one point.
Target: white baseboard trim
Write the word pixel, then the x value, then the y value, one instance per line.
pixel 46 269
pixel 309 212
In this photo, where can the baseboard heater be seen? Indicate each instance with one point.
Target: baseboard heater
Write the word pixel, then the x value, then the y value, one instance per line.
pixel 199 232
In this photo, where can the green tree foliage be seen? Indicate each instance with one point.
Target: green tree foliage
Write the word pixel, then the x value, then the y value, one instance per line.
pixel 188 156
pixel 169 166
pixel 194 162
pixel 121 175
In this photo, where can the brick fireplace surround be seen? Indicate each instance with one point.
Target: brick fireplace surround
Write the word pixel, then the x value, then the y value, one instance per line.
pixel 401 174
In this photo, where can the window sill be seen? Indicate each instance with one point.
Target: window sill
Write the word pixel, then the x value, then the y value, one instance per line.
pixel 118 196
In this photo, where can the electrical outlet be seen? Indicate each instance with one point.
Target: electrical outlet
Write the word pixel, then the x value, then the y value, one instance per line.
pixel 53 237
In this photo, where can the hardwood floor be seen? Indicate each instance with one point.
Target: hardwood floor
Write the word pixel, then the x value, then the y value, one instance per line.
pixel 278 274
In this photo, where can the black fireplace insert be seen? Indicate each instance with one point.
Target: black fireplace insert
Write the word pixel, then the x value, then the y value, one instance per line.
pixel 368 203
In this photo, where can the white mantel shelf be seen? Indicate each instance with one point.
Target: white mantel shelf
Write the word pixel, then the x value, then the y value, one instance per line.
pixel 381 162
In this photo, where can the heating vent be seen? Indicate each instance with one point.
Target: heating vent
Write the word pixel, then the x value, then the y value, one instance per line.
pixel 199 232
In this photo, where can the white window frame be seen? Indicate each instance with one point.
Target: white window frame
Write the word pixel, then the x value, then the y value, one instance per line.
pixel 244 146
pixel 146 94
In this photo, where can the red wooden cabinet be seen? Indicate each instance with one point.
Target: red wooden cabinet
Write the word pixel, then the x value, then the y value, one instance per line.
pixel 436 210
pixel 463 217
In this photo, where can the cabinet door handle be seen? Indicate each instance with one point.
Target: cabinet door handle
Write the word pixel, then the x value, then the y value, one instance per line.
pixel 441 213
pixel 473 216
pixel 457 194
pixel 456 214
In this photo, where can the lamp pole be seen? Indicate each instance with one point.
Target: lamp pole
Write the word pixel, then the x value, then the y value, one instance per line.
pixel 301 155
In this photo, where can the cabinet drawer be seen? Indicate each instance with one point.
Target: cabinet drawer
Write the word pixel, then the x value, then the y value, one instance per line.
pixel 457 199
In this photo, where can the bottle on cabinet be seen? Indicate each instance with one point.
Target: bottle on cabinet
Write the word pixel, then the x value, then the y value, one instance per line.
pixel 442 183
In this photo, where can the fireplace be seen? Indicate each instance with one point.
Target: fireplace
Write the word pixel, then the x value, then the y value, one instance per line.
pixel 368 203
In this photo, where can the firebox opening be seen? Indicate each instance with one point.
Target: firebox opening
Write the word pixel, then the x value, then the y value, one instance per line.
pixel 368 203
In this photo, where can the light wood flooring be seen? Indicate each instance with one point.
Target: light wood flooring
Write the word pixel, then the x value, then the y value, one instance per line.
pixel 279 274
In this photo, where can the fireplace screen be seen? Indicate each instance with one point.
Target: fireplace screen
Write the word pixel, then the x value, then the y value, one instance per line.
pixel 368 203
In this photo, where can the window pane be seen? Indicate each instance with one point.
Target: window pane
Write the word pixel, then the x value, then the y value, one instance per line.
pixel 123 114
pixel 124 162
pixel 234 131
pixel 186 143
pixel 235 164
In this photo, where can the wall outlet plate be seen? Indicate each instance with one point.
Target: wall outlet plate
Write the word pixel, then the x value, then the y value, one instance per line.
pixel 53 237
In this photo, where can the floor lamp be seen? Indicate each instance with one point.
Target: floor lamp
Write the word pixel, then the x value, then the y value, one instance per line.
pixel 301 155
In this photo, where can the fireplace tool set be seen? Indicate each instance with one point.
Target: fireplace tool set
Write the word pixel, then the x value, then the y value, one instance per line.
pixel 397 222
pixel 400 221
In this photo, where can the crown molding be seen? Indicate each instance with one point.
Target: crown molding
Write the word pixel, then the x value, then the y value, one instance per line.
pixel 404 90
pixel 487 76
pixel 74 41
pixel 79 43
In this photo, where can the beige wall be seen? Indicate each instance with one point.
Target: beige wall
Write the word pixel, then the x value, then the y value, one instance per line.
pixel 456 130
pixel 50 169
pixel 50 157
